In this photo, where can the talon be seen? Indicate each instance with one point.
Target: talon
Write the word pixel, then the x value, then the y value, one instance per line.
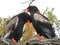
pixel 42 38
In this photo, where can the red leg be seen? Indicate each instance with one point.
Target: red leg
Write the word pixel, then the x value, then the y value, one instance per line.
pixel 40 37
pixel 13 40
pixel 19 42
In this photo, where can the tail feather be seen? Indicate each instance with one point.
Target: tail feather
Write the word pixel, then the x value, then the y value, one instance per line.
pixel 47 32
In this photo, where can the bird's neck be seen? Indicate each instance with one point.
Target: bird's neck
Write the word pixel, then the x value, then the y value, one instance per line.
pixel 32 13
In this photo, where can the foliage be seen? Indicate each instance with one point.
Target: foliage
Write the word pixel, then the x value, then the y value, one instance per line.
pixel 29 32
pixel 3 23
pixel 49 13
pixel 52 18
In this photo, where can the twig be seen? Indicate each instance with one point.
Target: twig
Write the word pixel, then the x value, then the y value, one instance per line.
pixel 31 2
pixel 25 2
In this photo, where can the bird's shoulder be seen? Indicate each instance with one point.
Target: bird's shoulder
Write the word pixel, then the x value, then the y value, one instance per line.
pixel 40 17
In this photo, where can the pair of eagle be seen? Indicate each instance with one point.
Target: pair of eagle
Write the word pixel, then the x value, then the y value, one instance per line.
pixel 40 23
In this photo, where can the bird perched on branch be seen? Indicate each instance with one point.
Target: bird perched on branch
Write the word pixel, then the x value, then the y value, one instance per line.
pixel 14 29
pixel 41 23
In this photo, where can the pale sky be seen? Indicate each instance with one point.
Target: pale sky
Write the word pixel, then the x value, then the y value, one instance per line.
pixel 13 7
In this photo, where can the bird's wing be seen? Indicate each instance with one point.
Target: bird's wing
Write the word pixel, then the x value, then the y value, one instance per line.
pixel 43 20
pixel 45 25
pixel 49 33
pixel 40 18
pixel 11 23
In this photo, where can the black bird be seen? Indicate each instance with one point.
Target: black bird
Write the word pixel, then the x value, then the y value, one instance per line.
pixel 15 26
pixel 41 23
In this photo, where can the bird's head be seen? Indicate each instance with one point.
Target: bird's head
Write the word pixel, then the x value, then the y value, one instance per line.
pixel 32 9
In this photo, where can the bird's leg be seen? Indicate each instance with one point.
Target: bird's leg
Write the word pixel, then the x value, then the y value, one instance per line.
pixel 13 41
pixel 40 37
pixel 19 42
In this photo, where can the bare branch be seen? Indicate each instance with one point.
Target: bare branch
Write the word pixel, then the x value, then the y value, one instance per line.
pixel 25 2
pixel 31 2
pixel 28 2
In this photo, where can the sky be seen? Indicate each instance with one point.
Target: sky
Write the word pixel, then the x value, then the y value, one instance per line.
pixel 13 7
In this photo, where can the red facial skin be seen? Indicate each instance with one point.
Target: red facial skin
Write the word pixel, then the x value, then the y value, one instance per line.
pixel 28 10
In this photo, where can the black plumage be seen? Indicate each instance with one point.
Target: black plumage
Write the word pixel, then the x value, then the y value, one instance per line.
pixel 41 23
pixel 18 31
